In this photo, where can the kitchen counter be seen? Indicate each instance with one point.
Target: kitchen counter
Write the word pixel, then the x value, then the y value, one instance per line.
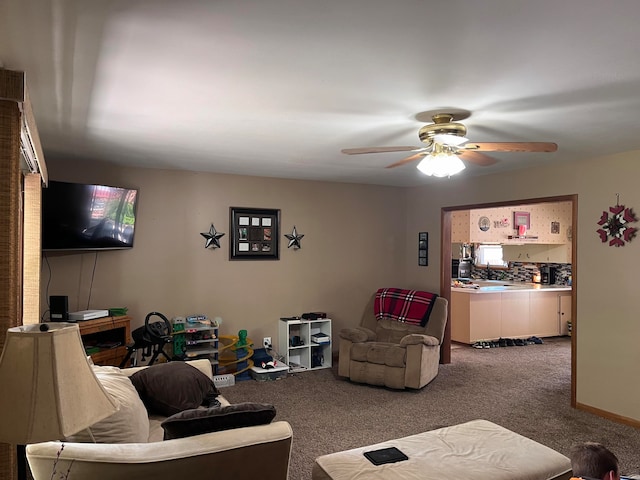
pixel 513 288
pixel 505 287
pixel 492 309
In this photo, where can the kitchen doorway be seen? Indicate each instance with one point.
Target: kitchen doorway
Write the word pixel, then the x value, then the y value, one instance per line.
pixel 446 255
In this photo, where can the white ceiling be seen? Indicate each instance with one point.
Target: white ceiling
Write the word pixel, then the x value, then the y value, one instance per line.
pixel 279 87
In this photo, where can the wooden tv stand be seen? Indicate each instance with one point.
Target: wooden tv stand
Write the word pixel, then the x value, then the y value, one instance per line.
pixel 109 336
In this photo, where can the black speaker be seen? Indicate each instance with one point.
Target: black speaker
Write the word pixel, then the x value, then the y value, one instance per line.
pixel 59 308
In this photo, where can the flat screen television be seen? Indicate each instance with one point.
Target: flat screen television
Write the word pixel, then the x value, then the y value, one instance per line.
pixel 78 216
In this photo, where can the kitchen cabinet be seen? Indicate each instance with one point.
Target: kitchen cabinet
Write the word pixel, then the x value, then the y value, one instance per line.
pixel 543 313
pixel 550 313
pixel 537 253
pixel 514 314
pixel 475 317
pixel 514 319
pixel 565 312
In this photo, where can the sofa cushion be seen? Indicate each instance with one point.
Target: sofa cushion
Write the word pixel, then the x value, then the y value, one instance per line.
pixel 393 332
pixel 169 388
pixel 356 335
pixel 129 424
pixel 199 421
pixel 379 353
pixel 415 339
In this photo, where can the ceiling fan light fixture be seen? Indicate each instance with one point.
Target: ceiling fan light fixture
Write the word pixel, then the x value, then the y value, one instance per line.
pixel 449 139
pixel 441 165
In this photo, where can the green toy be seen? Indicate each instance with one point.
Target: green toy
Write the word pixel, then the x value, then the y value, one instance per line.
pixel 242 338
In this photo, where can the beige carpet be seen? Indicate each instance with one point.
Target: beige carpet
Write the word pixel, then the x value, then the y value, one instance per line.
pixel 525 389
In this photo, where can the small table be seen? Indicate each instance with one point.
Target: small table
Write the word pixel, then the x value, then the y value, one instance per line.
pixel 109 337
pixel 474 450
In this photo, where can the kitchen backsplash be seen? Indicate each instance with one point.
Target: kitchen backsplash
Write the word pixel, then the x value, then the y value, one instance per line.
pixel 522 272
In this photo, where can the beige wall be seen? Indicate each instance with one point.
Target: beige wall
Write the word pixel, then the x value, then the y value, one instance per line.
pixel 357 238
pixel 607 324
pixel 353 243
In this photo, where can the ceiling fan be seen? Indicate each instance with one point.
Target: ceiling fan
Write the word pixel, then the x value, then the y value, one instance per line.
pixel 445 145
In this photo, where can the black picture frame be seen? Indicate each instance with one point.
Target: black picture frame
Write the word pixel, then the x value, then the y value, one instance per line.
pixel 255 233
pixel 423 249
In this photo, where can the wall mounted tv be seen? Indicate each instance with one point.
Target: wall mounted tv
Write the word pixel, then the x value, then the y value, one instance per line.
pixel 78 216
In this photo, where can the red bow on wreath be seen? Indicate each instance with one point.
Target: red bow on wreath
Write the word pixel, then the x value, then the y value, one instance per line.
pixel 617 226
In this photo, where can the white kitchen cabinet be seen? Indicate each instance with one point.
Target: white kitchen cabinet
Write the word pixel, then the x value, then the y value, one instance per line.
pixel 549 313
pixel 515 314
pixel 565 312
pixel 492 315
pixel 460 317
pixel 543 314
pixel 475 317
pixel 529 253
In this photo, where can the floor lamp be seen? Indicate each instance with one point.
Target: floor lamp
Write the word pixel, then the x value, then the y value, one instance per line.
pixel 49 390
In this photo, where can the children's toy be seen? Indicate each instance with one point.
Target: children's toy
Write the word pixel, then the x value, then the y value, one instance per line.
pixel 268 365
pixel 235 354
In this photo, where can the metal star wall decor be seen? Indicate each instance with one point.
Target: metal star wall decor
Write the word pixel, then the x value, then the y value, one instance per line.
pixel 213 237
pixel 294 238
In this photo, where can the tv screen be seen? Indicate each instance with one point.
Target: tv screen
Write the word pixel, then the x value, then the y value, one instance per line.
pixel 78 216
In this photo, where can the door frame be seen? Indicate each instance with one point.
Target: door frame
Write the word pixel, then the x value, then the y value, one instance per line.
pixel 445 267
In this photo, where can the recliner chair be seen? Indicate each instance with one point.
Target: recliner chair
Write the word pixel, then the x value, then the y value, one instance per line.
pixel 392 353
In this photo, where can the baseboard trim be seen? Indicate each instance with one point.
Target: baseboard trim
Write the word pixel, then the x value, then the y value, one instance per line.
pixel 608 415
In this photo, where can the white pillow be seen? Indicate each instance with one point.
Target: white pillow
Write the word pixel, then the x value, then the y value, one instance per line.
pixel 130 424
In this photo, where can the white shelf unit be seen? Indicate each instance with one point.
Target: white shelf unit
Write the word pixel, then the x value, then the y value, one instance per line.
pixel 201 341
pixel 309 355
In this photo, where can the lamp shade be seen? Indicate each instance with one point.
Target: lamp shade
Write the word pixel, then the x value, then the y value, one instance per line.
pixel 49 390
pixel 441 164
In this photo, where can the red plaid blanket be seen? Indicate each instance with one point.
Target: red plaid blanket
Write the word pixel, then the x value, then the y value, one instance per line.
pixel 408 306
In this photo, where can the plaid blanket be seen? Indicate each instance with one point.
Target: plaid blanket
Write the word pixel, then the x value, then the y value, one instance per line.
pixel 408 306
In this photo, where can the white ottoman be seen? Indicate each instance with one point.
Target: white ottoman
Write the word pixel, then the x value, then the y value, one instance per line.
pixel 474 450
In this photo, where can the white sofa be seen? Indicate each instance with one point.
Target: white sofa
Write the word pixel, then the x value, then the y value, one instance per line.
pixel 223 454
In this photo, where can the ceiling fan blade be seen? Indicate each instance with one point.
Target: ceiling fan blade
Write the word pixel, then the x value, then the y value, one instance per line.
pixel 510 146
pixel 408 159
pixel 477 158
pixel 357 151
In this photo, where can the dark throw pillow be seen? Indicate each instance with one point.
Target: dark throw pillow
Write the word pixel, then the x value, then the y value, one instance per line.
pixel 198 421
pixel 169 388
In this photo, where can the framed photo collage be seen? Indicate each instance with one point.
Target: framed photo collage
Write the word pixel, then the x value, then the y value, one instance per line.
pixel 255 234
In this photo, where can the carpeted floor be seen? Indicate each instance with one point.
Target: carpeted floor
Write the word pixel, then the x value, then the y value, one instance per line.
pixel 525 389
